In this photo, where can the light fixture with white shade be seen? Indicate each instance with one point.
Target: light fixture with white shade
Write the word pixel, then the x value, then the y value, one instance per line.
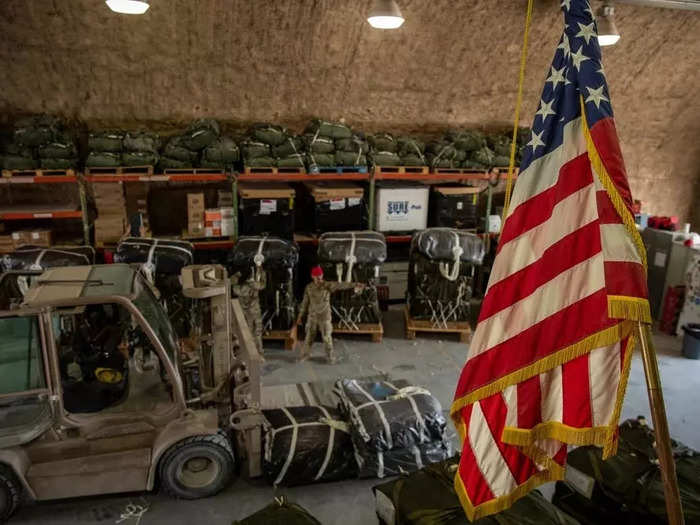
pixel 385 14
pixel 607 30
pixel 128 7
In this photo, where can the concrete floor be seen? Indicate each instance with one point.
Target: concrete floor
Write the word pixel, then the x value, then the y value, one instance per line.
pixel 433 362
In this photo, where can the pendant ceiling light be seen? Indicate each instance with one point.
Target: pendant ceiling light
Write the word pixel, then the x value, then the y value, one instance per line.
pixel 128 7
pixel 385 14
pixel 607 30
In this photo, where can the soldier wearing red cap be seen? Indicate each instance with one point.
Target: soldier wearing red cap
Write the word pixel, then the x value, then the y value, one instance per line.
pixel 317 304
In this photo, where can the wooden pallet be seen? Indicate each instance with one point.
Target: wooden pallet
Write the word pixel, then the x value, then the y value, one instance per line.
pixel 273 170
pixel 120 170
pixel 402 170
pixel 39 172
pixel 288 336
pixel 376 330
pixel 462 328
pixel 195 171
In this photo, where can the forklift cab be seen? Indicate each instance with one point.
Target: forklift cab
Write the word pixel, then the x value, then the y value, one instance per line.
pixel 92 398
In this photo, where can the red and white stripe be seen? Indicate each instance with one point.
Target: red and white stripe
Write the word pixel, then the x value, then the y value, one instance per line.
pixel 563 251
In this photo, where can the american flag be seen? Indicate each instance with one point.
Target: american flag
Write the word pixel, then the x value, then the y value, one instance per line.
pixel 549 360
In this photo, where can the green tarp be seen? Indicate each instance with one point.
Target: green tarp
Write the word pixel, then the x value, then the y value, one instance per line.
pixel 319 144
pixel 347 158
pixel 200 134
pixel 253 148
pixel 176 149
pixel 144 141
pixel 260 162
pixel 103 159
pixel 354 145
pixel 290 146
pixel 58 164
pixel 268 133
pixel 139 158
pixel 106 140
pixel 320 160
pixel 383 142
pixel 169 163
pixel 17 162
pixel 224 152
pixel 466 140
pixel 324 128
pixel 295 160
pixel 384 158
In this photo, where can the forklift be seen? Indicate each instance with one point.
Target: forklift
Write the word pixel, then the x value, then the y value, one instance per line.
pixel 98 395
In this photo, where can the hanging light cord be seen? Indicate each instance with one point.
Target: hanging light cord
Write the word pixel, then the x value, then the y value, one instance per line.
pixel 516 119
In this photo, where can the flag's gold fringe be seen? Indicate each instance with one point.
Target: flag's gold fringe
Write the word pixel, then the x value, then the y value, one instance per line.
pixel 551 472
pixel 610 447
pixel 626 307
pixel 603 338
pixel 609 185
pixel 555 430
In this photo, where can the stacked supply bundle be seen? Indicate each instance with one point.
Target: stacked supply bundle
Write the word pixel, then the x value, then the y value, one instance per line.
pixel 320 140
pixel 105 149
pixel 280 512
pixel 411 151
pixel 307 444
pixel 470 147
pixel 500 144
pixel 161 262
pixel 110 223
pixel 278 259
pixel 140 148
pixel 200 140
pixel 395 427
pixel 39 258
pixel 440 274
pixel 628 487
pixel 443 154
pixel 40 141
pixel 383 150
pixel 353 257
pixel 428 496
pixel 272 145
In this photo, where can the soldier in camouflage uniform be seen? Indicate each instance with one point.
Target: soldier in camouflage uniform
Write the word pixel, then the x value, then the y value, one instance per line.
pixel 317 303
pixel 249 296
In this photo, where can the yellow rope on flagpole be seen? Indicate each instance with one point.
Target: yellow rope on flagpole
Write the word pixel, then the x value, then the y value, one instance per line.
pixel 516 120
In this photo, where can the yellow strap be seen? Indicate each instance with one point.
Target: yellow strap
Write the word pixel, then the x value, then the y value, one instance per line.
pixel 516 120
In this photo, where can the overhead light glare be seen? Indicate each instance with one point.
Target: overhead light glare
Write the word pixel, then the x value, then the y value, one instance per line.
pixel 607 30
pixel 128 7
pixel 385 14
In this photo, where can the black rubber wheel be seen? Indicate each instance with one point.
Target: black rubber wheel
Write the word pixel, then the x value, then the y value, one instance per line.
pixel 10 491
pixel 197 467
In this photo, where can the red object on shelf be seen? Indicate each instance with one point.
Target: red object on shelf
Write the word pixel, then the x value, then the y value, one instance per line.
pixel 18 216
pixel 663 223
pixel 673 302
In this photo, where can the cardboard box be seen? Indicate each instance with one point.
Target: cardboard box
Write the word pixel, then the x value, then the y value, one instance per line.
pixel 6 244
pixel 41 238
pixel 227 221
pixel 109 229
pixel 20 238
pixel 401 207
pixel 212 214
pixel 195 202
pixel 212 232
pixel 224 199
pixel 195 229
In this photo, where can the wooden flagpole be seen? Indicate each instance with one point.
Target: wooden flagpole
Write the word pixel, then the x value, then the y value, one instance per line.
pixel 658 415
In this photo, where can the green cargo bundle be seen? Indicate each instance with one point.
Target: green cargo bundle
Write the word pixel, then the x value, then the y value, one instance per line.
pixel 252 149
pixel 106 140
pixel 175 149
pixel 320 160
pixel 36 130
pixel 144 141
pixel 413 160
pixel 58 150
pixel 175 164
pixel 319 144
pixel 384 158
pixel 295 160
pixel 280 512
pixel 348 158
pixel 324 128
pixel 223 151
pixel 103 159
pixel 201 133
pixel 441 154
pixel 630 482
pixel 260 162
pixel 410 146
pixel 268 133
pixel 427 497
pixel 500 144
pixel 354 144
pixel 139 158
pixel 290 146
pixel 483 156
pixel 19 162
pixel 58 163
pixel 466 140
pixel 383 142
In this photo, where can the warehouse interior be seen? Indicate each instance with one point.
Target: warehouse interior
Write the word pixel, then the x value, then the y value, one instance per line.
pixel 258 144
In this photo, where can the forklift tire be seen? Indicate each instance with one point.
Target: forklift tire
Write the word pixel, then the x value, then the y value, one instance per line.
pixel 197 467
pixel 10 491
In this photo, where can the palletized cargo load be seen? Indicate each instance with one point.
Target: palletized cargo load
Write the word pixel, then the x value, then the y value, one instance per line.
pixel 454 206
pixel 440 277
pixel 40 258
pixel 266 209
pixel 278 258
pixel 337 206
pixel 401 207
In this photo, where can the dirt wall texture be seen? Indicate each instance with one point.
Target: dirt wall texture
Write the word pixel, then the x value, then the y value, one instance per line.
pixel 453 63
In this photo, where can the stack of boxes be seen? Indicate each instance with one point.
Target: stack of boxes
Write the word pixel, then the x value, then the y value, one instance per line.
pixel 195 215
pixel 110 223
pixel 37 237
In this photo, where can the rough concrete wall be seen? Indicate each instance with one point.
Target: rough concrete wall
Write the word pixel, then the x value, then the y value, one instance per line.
pixel 452 63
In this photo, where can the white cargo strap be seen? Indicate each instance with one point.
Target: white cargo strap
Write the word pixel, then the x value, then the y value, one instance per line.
pixel 378 406
pixel 408 393
pixel 339 272
pixel 259 258
pixel 294 148
pixel 331 441
pixel 149 268
pixel 380 465
pixel 350 259
pixel 292 446
pixel 420 154
pixel 416 455
pixel 36 265
pixel 456 253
